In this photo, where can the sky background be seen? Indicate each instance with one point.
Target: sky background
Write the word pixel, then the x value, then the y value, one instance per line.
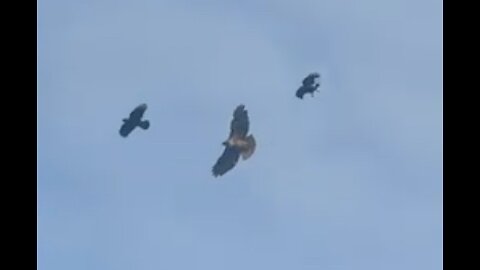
pixel 350 179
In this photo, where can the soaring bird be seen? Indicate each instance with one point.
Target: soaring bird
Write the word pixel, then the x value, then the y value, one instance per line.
pixel 238 143
pixel 135 119
pixel 308 85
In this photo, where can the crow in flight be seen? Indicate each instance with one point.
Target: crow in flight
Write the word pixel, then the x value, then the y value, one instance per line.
pixel 308 85
pixel 135 119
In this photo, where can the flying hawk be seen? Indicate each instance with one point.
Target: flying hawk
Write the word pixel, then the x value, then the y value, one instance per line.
pixel 308 85
pixel 135 119
pixel 238 143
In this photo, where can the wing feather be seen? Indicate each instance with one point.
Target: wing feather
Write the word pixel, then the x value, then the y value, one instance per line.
pixel 127 127
pixel 138 112
pixel 301 92
pixel 240 123
pixel 310 79
pixel 226 162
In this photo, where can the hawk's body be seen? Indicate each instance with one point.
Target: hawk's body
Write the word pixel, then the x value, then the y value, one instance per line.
pixel 238 143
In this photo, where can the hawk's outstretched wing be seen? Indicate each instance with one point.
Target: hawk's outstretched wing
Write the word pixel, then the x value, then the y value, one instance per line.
pixel 226 162
pixel 240 123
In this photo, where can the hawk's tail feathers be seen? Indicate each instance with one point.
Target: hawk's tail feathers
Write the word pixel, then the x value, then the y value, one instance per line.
pixel 250 149
pixel 144 124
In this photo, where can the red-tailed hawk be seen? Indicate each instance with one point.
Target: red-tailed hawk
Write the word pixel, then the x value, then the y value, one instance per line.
pixel 238 143
pixel 308 85
pixel 135 119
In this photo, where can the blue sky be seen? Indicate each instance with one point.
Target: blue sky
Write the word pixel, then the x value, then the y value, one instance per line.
pixel 349 179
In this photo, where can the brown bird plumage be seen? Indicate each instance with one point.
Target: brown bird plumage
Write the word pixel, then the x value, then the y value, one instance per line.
pixel 238 143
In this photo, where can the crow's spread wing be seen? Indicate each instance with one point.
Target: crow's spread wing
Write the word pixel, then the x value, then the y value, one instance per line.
pixel 310 79
pixel 138 112
pixel 127 127
pixel 301 92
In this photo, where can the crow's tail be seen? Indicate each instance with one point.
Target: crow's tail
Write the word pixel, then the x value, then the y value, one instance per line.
pixel 144 124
